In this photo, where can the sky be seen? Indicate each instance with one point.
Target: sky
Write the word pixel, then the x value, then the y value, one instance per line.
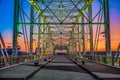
pixel 6 21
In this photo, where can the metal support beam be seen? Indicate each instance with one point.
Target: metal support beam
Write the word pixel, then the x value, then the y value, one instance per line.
pixel 79 40
pixel 15 28
pixel 69 17
pixel 31 28
pixel 76 23
pixel 36 7
pixel 39 32
pixel 6 60
pixel 83 36
pixel 91 30
pixel 87 5
pixel 107 29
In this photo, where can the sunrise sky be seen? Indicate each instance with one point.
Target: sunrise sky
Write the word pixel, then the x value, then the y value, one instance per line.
pixel 6 21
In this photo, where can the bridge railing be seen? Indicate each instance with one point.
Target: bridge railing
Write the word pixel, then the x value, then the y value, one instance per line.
pixel 111 61
pixel 21 59
pixel 11 60
pixel 1 61
pixel 105 60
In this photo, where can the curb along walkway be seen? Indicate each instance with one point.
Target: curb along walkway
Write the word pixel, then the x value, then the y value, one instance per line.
pixel 104 72
pixel 20 72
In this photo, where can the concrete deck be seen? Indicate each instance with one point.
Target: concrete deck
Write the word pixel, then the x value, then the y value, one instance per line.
pixel 20 72
pixel 102 71
pixel 62 69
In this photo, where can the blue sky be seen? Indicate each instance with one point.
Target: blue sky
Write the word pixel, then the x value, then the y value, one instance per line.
pixel 6 16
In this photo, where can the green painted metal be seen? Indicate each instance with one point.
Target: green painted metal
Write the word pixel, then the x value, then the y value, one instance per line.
pixel 83 36
pixel 91 30
pixel 62 23
pixel 31 29
pixel 15 28
pixel 107 29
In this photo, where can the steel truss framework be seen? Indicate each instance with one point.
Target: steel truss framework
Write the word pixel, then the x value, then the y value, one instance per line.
pixel 75 25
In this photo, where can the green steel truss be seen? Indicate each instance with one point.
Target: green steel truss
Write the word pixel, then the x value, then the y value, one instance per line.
pixel 47 25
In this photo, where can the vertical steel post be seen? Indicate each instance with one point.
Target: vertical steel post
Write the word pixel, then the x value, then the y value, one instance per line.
pixel 43 40
pixel 46 31
pixel 79 41
pixel 15 28
pixel 38 43
pixel 76 46
pixel 83 36
pixel 79 36
pixel 39 31
pixel 107 30
pixel 49 41
pixel 39 36
pixel 91 30
pixel 31 28
pixel 72 41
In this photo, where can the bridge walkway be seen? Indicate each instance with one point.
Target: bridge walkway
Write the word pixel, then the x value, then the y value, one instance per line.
pixel 104 72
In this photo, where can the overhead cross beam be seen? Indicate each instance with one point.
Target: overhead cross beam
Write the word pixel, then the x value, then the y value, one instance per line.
pixel 87 4
pixel 35 5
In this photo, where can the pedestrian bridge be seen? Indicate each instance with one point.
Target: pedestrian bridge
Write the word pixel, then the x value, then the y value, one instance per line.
pixel 59 67
pixel 51 39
